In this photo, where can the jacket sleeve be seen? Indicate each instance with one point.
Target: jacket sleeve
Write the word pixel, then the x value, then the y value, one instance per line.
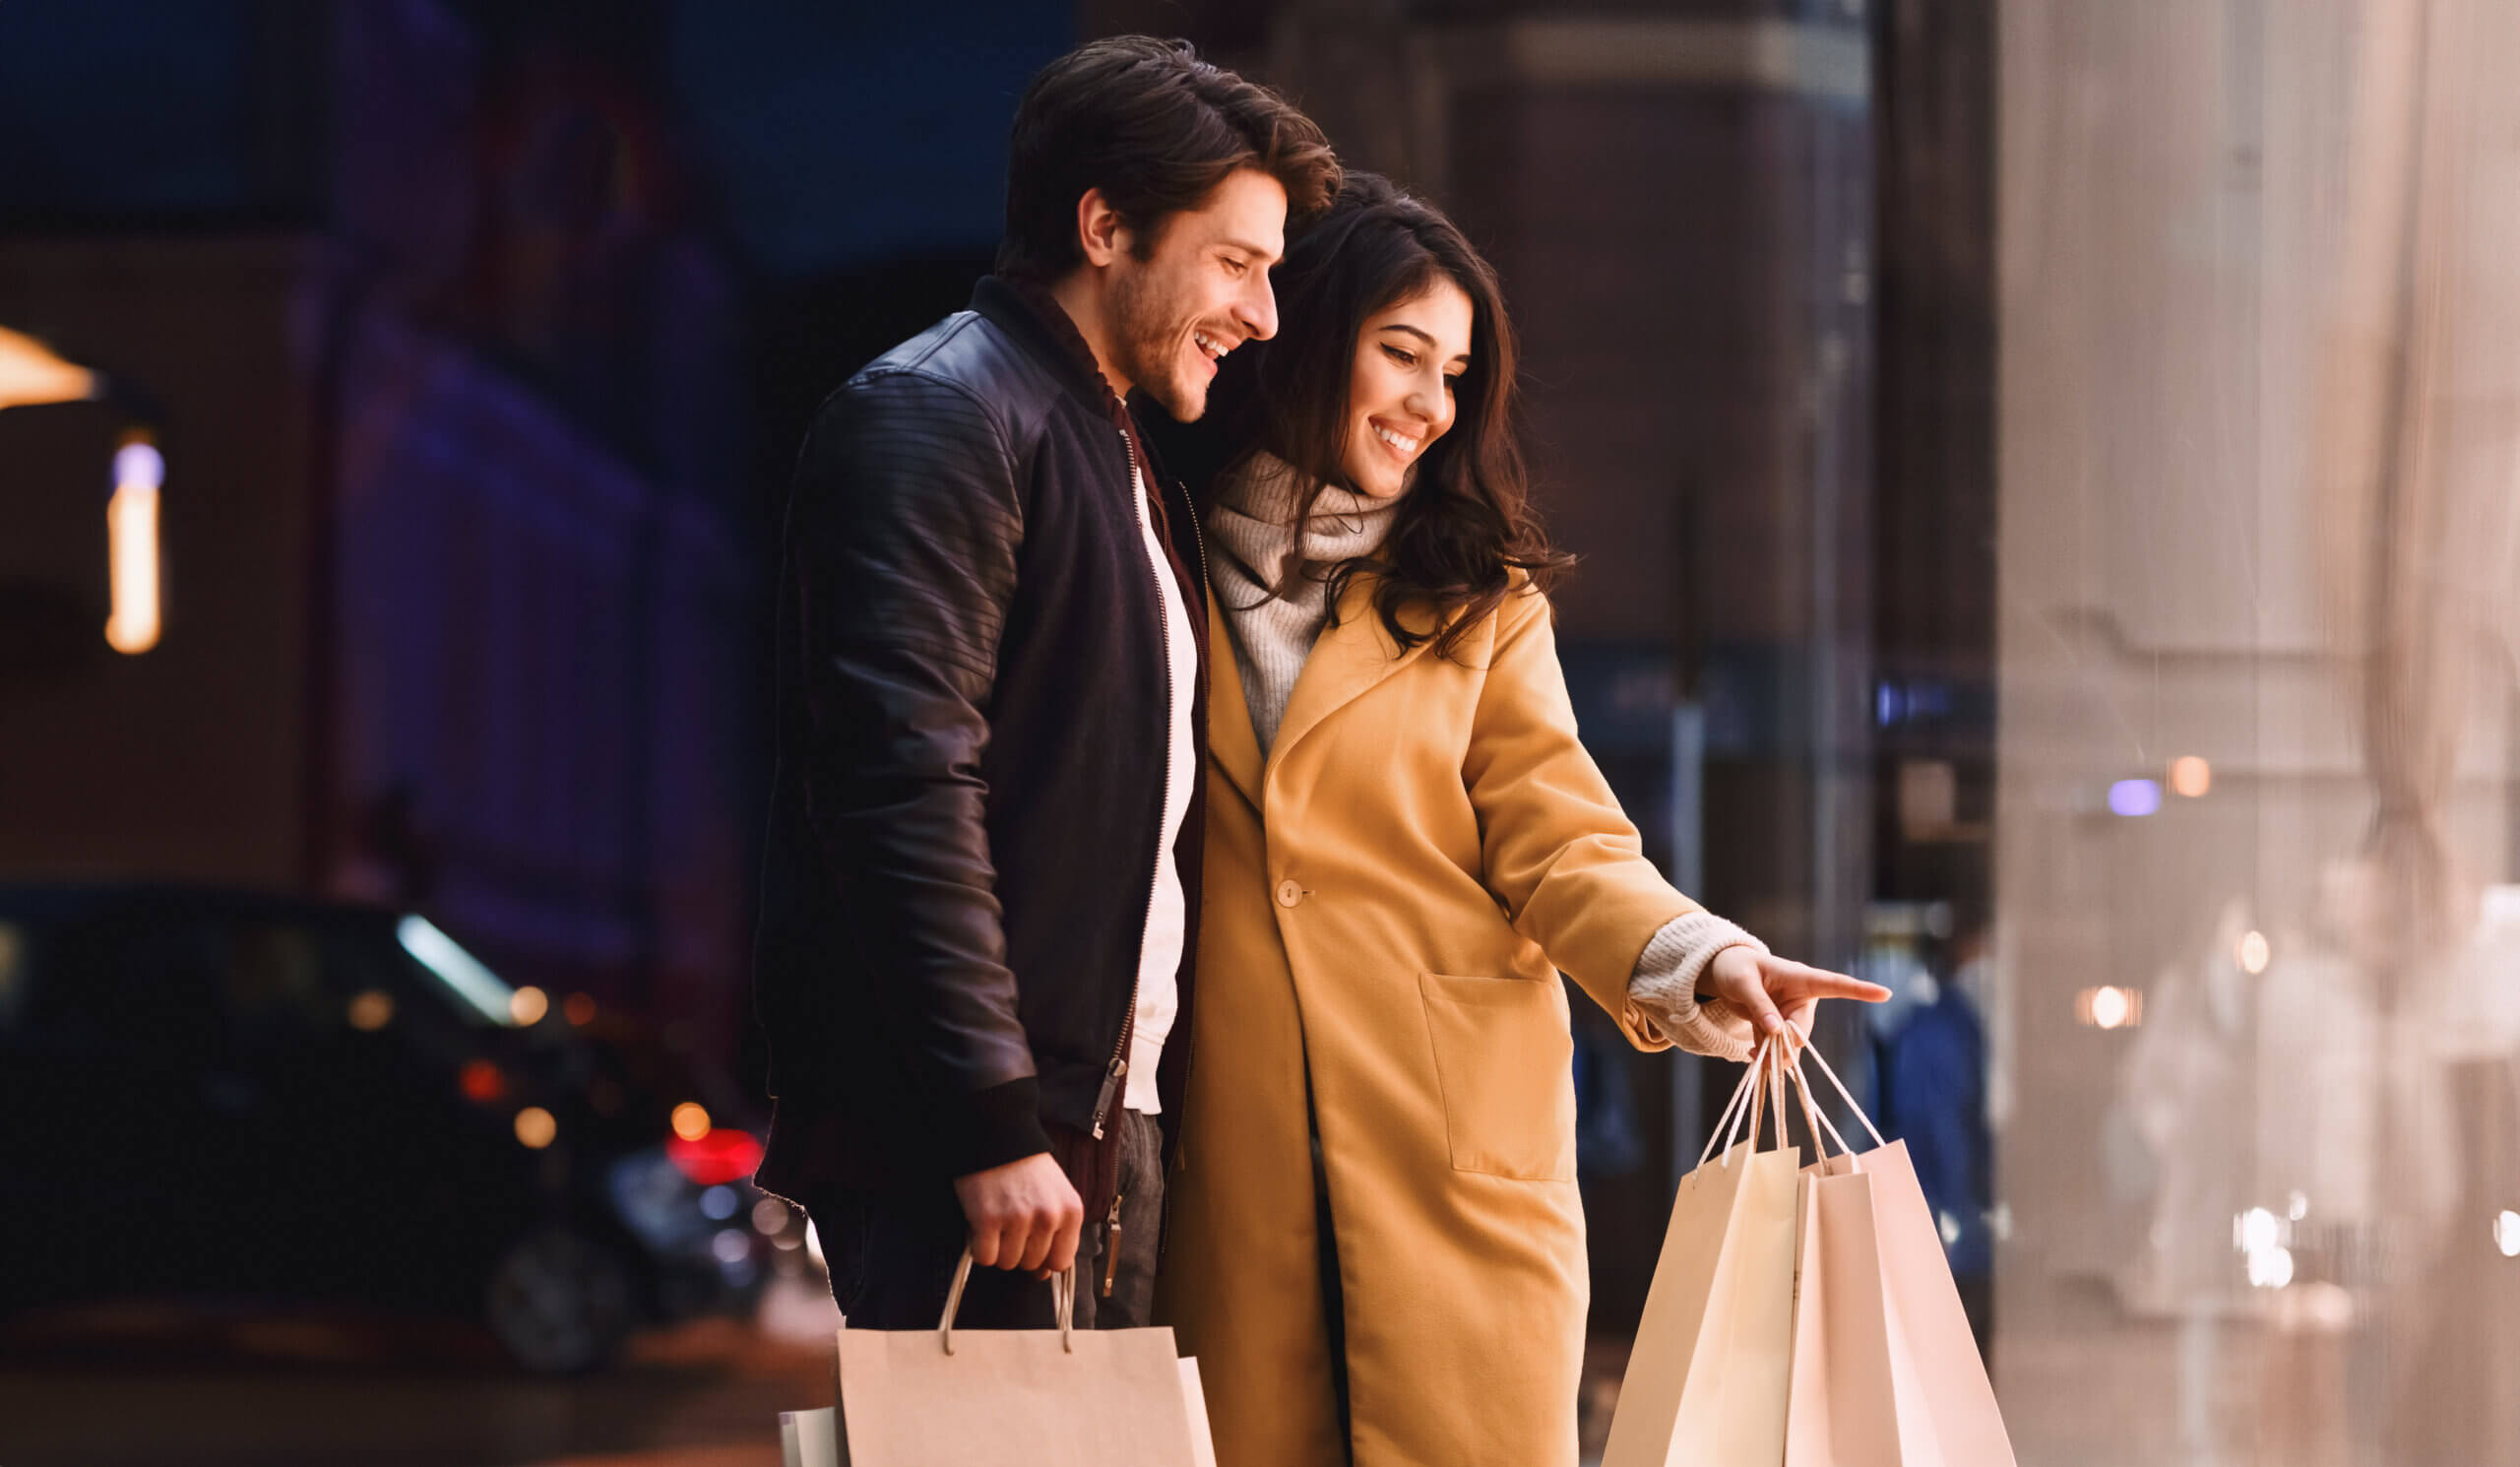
pixel 1561 854
pixel 905 523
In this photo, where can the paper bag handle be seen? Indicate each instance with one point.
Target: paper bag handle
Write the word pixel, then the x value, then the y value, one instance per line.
pixel 1763 1074
pixel 1840 1087
pixel 1819 1120
pixel 1062 1301
pixel 1725 1120
pixel 1725 1125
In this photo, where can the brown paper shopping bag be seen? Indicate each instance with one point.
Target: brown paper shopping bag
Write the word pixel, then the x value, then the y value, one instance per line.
pixel 1039 1397
pixel 1885 1371
pixel 1706 1384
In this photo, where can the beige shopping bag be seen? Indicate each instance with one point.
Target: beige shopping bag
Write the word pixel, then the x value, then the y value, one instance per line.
pixel 1885 1371
pixel 1706 1384
pixel 1038 1397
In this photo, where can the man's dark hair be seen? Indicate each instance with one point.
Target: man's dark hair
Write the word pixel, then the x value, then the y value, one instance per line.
pixel 1155 129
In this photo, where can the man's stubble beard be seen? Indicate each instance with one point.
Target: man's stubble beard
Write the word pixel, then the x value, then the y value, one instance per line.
pixel 1147 343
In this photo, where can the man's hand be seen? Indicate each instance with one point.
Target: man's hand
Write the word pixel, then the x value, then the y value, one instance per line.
pixel 1775 993
pixel 1024 1215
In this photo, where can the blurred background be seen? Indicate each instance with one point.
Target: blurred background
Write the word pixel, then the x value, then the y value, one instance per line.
pixel 2047 473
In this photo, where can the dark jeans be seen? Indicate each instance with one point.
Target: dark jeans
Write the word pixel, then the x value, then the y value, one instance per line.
pixel 892 1255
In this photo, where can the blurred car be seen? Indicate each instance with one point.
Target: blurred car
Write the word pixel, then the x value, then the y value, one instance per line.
pixel 236 1097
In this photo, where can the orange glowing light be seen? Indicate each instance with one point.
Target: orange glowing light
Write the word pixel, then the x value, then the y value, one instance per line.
pixel 131 547
pixel 580 1009
pixel 690 1120
pixel 527 1005
pixel 2192 777
pixel 2110 1007
pixel 371 1011
pixel 31 374
pixel 536 1128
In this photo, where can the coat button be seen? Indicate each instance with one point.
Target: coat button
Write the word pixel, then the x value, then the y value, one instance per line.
pixel 1288 893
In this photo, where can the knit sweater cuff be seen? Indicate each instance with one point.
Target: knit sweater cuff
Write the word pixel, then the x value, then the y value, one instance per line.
pixel 1663 987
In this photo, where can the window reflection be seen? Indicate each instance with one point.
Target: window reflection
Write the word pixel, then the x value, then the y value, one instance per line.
pixel 2260 503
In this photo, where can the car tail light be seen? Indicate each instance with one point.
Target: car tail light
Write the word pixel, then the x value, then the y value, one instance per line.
pixel 481 1082
pixel 715 1159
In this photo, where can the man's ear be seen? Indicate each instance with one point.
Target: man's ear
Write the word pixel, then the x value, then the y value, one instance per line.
pixel 1099 228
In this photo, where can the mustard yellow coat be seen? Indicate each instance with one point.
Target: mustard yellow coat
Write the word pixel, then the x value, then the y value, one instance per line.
pixel 1388 901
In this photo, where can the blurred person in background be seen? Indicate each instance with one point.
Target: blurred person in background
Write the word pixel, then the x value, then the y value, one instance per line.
pixel 1377 1248
pixel 1932 1092
pixel 982 879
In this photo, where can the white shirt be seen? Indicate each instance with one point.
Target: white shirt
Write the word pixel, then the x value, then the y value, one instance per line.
pixel 1167 915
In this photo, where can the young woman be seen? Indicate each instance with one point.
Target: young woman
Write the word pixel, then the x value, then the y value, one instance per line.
pixel 1375 1248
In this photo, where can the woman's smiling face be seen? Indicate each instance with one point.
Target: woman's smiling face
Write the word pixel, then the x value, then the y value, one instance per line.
pixel 1410 355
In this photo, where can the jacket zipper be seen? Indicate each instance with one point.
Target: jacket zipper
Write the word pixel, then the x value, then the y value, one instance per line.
pixel 1118 1066
pixel 1111 1245
pixel 1189 1032
pixel 1199 548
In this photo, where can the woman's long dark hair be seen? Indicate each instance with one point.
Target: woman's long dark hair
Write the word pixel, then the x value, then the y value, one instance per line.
pixel 1465 525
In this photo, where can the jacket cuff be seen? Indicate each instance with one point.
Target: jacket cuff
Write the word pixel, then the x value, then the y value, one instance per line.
pixel 999 1124
pixel 1663 987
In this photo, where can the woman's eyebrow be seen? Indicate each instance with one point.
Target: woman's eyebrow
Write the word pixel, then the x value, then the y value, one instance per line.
pixel 1419 334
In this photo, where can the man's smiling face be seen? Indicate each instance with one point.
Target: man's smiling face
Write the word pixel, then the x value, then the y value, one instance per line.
pixel 1197 290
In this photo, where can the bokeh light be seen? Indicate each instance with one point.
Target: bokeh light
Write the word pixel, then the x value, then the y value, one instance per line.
pixel 2110 1007
pixel 371 1011
pixel 536 1128
pixel 481 1081
pixel 2134 798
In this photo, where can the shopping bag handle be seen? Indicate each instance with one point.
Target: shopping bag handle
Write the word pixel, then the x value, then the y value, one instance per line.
pixel 1721 1131
pixel 1838 1085
pixel 1818 1121
pixel 1063 1300
pixel 1753 1087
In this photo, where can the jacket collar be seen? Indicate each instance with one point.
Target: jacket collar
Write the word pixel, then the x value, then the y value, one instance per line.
pixel 1353 657
pixel 1351 660
pixel 1028 312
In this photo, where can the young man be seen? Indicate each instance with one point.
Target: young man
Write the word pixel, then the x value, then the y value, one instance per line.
pixel 981 881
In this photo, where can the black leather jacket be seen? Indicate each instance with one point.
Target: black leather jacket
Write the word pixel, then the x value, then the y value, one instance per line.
pixel 973 710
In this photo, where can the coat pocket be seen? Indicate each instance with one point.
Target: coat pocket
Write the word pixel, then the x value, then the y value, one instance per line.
pixel 1504 1059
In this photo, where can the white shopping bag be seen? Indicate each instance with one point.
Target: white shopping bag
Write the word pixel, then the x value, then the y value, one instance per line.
pixel 809 1438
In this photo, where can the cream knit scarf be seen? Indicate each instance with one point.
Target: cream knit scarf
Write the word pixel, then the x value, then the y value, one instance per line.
pixel 1253 517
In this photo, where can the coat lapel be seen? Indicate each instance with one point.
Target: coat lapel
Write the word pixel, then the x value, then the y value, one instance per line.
pixel 1231 740
pixel 1346 664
